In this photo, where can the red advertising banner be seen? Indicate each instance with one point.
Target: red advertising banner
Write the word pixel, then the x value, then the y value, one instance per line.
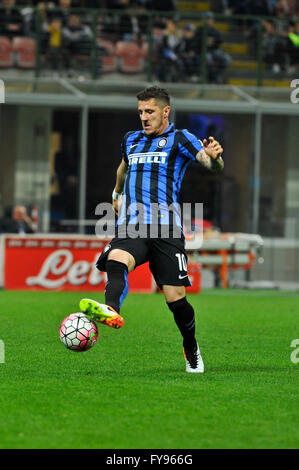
pixel 194 274
pixel 32 263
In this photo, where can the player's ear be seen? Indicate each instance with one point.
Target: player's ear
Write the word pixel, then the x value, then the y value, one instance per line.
pixel 166 111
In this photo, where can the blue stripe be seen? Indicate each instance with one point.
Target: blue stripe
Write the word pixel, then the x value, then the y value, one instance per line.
pixel 146 187
pixel 125 291
pixel 130 139
pixel 122 214
pixel 133 176
pixel 162 183
pixel 179 171
pixel 193 142
pixel 176 185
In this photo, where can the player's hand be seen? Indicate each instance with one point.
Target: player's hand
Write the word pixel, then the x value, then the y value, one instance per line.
pixel 212 148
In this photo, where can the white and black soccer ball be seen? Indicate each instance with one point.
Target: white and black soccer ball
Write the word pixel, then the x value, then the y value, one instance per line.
pixel 78 333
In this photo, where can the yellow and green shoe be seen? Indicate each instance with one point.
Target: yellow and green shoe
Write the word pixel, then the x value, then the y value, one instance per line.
pixel 101 313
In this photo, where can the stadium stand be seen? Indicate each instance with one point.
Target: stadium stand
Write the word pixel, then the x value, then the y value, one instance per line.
pixel 6 57
pixel 130 57
pixel 240 39
pixel 251 51
pixel 24 52
pixel 109 58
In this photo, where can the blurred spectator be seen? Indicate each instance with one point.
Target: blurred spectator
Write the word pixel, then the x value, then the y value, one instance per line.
pixel 77 36
pixel 55 48
pixel 11 20
pixel 18 222
pixel 217 59
pixel 293 7
pixel 282 9
pixel 30 17
pixel 251 32
pixel 62 11
pixel 42 18
pixel 78 41
pixel 293 47
pixel 276 42
pixel 187 53
pixel 107 27
pixel 132 24
pixel 170 67
pixel 108 24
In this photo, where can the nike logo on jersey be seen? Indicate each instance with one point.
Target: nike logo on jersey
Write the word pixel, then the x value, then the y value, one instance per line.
pixel 182 277
pixel 148 157
pixel 132 146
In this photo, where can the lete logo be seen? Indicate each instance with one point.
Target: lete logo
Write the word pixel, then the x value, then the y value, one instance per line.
pixel 60 264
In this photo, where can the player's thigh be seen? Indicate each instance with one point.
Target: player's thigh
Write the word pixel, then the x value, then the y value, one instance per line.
pixel 174 293
pixel 168 263
pixel 122 256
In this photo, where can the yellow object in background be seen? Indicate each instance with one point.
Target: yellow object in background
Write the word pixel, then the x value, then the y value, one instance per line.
pixel 55 33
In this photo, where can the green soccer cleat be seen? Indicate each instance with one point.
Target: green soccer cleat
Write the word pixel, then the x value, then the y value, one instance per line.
pixel 101 313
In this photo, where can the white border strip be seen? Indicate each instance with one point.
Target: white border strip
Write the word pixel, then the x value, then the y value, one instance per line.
pixel 2 92
pixel 2 242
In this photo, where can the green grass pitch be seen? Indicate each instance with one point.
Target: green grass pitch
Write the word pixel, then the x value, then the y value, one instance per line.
pixel 131 390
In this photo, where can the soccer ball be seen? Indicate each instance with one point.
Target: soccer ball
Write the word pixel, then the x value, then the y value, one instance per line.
pixel 78 333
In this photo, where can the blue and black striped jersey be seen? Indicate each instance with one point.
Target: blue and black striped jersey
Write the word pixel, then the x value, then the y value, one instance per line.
pixel 156 167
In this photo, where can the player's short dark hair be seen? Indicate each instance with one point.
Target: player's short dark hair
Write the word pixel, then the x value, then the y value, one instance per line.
pixel 156 92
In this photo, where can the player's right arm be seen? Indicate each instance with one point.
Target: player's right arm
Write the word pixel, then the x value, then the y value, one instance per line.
pixel 119 185
pixel 210 155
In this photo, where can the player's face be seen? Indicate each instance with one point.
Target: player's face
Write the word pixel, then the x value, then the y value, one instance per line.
pixel 154 118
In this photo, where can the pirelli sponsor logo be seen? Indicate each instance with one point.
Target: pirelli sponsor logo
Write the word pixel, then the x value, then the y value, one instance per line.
pixel 148 157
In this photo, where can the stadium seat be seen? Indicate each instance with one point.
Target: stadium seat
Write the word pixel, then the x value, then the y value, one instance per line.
pixel 130 57
pixel 109 58
pixel 6 57
pixel 24 50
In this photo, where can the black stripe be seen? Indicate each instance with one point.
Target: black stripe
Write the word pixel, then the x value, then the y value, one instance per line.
pixel 154 180
pixel 139 176
pixel 124 145
pixel 186 163
pixel 187 144
pixel 154 190
pixel 170 173
pixel 128 197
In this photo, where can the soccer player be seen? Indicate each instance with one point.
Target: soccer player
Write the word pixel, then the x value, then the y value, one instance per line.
pixel 153 164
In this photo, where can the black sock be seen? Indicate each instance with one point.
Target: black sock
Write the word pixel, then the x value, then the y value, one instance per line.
pixel 117 285
pixel 184 317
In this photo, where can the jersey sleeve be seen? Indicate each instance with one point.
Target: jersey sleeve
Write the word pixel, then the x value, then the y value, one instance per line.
pixel 124 146
pixel 189 144
pixel 123 149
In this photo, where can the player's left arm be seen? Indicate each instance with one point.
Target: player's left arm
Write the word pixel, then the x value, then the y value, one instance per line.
pixel 119 186
pixel 211 155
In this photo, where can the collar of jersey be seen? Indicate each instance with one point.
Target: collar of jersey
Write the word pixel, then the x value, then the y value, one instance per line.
pixel 169 129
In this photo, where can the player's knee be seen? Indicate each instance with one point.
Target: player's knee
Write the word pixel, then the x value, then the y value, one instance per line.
pixel 177 305
pixel 174 293
pixel 124 257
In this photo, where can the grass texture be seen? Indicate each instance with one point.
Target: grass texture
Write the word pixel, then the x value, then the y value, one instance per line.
pixel 131 390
